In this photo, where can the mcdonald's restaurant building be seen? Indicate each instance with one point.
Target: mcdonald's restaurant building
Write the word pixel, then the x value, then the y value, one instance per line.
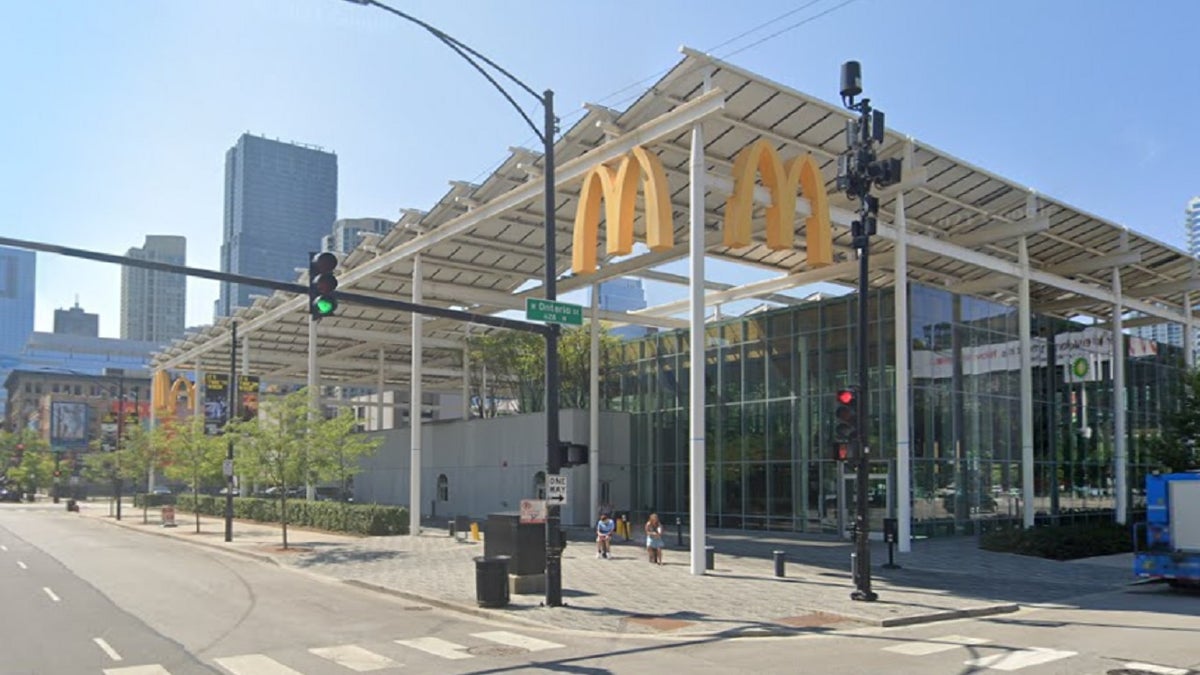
pixel 1004 377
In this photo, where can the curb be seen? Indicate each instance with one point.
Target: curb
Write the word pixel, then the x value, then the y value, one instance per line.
pixel 444 604
pixel 950 615
pixel 248 554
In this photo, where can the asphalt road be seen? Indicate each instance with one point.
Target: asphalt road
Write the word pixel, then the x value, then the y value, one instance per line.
pixel 82 596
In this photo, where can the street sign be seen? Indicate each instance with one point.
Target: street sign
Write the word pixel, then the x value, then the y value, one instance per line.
pixel 552 311
pixel 533 510
pixel 556 490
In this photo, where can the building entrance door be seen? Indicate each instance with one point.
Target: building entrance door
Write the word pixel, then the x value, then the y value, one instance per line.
pixel 879 496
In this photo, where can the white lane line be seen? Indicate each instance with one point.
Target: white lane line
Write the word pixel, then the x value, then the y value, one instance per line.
pixel 254 664
pixel 1019 659
pixel 22 565
pixel 935 645
pixel 1151 668
pixel 112 653
pixel 437 647
pixel 354 658
pixel 3 547
pixel 50 593
pixel 154 669
pixel 517 640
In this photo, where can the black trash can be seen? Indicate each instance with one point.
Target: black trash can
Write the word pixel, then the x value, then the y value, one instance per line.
pixel 491 581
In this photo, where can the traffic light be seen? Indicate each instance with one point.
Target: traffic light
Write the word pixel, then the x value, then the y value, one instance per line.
pixel 845 429
pixel 321 284
pixel 572 454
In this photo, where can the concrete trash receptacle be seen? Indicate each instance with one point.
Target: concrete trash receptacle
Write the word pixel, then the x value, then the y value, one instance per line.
pixel 491 581
pixel 72 505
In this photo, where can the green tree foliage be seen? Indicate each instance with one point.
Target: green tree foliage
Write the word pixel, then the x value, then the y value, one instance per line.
pixel 337 446
pixel 28 461
pixel 1177 447
pixel 195 457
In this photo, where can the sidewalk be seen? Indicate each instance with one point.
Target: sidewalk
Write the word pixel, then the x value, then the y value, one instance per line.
pixel 941 579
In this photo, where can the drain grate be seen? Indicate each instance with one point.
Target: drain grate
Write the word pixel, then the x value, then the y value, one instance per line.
pixel 497 650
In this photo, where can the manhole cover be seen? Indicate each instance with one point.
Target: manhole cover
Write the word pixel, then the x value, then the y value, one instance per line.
pixel 497 650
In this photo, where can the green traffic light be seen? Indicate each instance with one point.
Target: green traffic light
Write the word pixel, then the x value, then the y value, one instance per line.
pixel 325 305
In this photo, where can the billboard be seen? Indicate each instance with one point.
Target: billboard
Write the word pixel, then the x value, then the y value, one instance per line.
pixel 248 386
pixel 68 422
pixel 216 402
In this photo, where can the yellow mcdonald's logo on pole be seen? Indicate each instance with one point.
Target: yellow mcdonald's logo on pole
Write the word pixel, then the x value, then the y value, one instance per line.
pixel 782 182
pixel 164 393
pixel 618 190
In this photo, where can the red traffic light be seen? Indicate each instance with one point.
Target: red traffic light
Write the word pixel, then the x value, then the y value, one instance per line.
pixel 845 396
pixel 324 263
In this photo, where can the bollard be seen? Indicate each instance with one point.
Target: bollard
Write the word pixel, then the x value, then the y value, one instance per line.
pixel 678 532
pixel 451 528
pixel 709 557
pixel 780 557
pixel 475 531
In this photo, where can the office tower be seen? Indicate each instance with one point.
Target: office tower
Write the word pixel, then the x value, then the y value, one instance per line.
pixel 623 295
pixel 347 232
pixel 1162 333
pixel 75 321
pixel 280 200
pixel 17 280
pixel 1191 223
pixel 153 303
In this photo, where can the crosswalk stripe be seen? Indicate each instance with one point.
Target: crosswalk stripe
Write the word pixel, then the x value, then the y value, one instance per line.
pixel 1151 668
pixel 437 647
pixel 935 645
pixel 254 664
pixel 516 640
pixel 1019 659
pixel 153 669
pixel 354 657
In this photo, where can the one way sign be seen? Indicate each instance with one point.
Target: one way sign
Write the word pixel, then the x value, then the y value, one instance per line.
pixel 556 490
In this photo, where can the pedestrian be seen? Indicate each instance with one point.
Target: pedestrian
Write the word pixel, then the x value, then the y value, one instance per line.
pixel 654 542
pixel 604 532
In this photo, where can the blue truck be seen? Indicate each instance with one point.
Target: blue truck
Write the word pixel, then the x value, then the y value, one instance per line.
pixel 1169 550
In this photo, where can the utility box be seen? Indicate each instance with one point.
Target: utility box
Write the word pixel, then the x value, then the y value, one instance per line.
pixel 1184 505
pixel 524 543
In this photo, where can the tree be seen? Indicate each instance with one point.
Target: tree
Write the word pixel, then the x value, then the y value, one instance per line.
pixel 336 447
pixel 146 452
pixel 32 464
pixel 1177 448
pixel 195 456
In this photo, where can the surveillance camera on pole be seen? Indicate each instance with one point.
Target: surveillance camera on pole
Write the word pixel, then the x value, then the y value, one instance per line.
pixel 859 170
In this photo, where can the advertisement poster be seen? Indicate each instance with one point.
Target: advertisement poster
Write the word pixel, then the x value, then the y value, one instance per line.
pixel 68 422
pixel 248 386
pixel 216 402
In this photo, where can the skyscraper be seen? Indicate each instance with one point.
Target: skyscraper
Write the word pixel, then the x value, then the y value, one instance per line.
pixel 153 303
pixel 280 200
pixel 623 295
pixel 1191 223
pixel 346 232
pixel 17 281
pixel 75 321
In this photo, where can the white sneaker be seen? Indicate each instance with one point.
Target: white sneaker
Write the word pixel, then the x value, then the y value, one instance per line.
pixel 599 555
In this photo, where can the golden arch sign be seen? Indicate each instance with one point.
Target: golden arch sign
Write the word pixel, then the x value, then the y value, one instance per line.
pixel 782 182
pixel 164 393
pixel 618 189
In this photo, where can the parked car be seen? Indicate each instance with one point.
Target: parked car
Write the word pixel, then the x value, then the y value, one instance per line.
pixel 7 495
pixel 161 490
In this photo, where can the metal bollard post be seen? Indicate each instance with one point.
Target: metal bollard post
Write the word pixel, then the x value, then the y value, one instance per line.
pixel 709 557
pixel 678 532
pixel 780 557
pixel 451 528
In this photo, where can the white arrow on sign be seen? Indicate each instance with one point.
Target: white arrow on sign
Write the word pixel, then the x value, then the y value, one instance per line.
pixel 556 489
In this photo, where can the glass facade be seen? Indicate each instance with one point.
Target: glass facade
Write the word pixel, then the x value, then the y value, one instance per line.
pixel 770 380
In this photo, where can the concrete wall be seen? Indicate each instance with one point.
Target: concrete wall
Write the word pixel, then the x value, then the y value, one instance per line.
pixel 490 465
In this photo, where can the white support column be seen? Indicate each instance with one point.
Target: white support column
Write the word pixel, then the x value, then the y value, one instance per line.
pixel 1118 377
pixel 414 404
pixel 245 356
pixel 466 382
pixel 903 381
pixel 314 391
pixel 1189 333
pixel 594 407
pixel 696 454
pixel 198 391
pixel 1024 329
pixel 379 384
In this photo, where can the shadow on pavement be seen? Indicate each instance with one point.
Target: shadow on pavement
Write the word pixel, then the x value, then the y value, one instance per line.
pixel 339 554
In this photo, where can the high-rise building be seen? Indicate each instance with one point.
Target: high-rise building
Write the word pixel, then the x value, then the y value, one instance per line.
pixel 623 295
pixel 75 321
pixel 1162 333
pixel 153 303
pixel 280 200
pixel 1191 224
pixel 18 275
pixel 347 233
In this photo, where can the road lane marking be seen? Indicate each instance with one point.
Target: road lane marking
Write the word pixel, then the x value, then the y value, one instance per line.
pixel 1151 668
pixel 112 653
pixel 1022 658
pixel 22 565
pixel 437 647
pixel 354 658
pixel 154 669
pixel 50 593
pixel 935 645
pixel 517 640
pixel 3 547
pixel 254 664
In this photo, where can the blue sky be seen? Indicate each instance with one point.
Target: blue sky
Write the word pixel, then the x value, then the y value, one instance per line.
pixel 116 114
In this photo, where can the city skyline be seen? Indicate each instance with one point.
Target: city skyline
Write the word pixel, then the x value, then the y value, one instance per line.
pixel 143 160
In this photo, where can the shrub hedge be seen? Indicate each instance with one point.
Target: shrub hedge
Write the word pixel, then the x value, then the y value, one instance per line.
pixel 1061 542
pixel 370 519
pixel 142 500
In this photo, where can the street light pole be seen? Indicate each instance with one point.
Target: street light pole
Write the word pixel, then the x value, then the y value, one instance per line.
pixel 120 432
pixel 546 135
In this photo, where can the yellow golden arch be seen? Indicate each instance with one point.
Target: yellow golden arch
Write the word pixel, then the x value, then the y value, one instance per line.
pixel 164 393
pixel 781 182
pixel 618 190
